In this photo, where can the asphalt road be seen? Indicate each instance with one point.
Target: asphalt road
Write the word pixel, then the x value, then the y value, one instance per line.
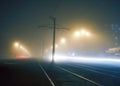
pixel 36 73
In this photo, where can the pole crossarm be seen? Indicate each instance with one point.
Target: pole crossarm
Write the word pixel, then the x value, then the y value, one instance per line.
pixel 51 27
pixel 54 27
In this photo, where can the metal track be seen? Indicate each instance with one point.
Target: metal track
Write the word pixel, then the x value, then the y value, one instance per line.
pixel 95 71
pixel 70 72
pixel 47 75
pixel 79 76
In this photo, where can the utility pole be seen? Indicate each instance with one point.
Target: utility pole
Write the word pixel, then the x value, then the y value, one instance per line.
pixel 42 48
pixel 54 36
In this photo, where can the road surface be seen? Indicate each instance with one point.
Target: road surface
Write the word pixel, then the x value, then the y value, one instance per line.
pixel 37 73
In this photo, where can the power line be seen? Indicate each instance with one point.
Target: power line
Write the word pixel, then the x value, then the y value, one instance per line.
pixel 54 27
pixel 57 5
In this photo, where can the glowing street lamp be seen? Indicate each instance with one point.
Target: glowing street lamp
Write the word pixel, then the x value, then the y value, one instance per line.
pixel 20 48
pixel 85 33
pixel 82 33
pixel 16 44
pixel 63 40
pixel 88 34
pixel 23 49
pixel 56 45
pixel 77 33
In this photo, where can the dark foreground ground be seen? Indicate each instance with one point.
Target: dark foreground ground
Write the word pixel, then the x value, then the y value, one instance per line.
pixel 30 73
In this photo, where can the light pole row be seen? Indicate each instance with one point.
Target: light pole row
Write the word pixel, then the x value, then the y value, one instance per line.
pixel 19 46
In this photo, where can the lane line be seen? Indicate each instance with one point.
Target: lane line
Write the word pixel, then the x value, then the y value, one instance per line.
pixel 77 75
pixel 47 75
pixel 99 69
pixel 95 71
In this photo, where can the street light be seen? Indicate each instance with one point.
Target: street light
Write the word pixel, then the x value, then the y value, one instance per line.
pixel 82 33
pixel 56 45
pixel 63 40
pixel 85 33
pixel 77 33
pixel 20 48
pixel 88 34
pixel 16 44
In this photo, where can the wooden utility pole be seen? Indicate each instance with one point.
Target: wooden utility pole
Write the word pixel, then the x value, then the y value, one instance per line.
pixel 53 26
pixel 54 36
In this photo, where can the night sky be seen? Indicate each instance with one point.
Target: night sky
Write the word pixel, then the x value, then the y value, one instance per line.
pixel 19 21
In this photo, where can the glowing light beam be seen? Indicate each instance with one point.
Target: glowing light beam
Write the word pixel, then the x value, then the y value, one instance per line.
pixel 94 60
